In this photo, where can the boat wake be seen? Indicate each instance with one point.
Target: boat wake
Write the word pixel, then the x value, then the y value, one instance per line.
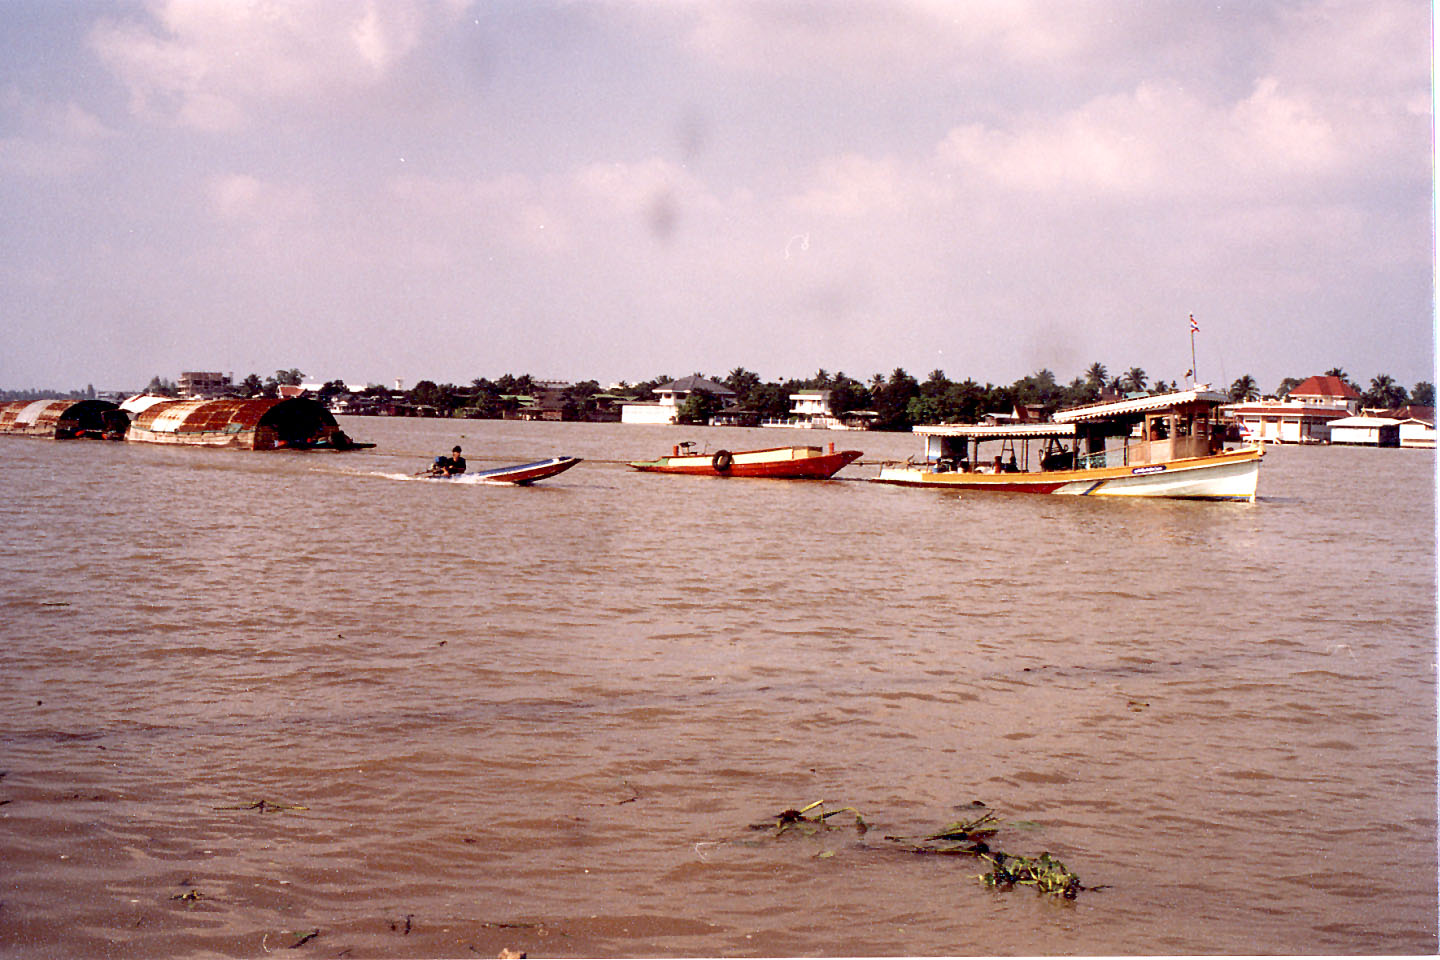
pixel 471 480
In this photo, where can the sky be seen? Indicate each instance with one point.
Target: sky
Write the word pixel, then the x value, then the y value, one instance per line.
pixel 373 190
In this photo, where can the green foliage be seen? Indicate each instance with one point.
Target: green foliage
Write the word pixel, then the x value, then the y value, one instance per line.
pixel 892 399
pixel 1287 385
pixel 742 381
pixel 768 400
pixel 1384 392
pixel 1423 394
pixel 699 407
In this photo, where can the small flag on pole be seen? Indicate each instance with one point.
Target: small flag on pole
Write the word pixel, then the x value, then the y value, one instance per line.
pixel 1193 325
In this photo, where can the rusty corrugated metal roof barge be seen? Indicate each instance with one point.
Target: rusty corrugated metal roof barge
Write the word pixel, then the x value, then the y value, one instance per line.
pixel 63 419
pixel 259 423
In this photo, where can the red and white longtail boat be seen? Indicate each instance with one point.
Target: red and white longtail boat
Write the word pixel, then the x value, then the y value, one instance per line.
pixel 522 474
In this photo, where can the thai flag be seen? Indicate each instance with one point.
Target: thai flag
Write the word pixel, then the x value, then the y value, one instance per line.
pixel 1194 327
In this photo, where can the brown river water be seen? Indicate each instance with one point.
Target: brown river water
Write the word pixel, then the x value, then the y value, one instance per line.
pixel 548 719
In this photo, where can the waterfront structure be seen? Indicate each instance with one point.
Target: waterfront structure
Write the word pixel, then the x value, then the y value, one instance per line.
pixel 1304 416
pixel 1417 423
pixel 811 410
pixel 1415 432
pixel 670 398
pixel 1366 431
pixel 1408 426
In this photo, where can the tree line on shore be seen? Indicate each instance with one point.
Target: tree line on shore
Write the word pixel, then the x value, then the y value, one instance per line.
pixel 898 401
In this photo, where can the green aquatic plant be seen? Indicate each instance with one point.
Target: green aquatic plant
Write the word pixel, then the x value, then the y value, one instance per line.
pixel 961 838
pixel 953 839
pixel 1044 873
pixel 809 822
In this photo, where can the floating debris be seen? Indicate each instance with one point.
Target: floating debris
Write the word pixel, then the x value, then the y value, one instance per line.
pixel 304 938
pixel 961 838
pixel 811 823
pixel 265 806
pixel 1046 875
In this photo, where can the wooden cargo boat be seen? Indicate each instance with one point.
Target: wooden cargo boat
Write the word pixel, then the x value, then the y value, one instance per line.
pixel 1168 445
pixel 786 463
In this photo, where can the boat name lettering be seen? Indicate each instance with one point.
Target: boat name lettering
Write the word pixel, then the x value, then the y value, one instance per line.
pixel 1152 468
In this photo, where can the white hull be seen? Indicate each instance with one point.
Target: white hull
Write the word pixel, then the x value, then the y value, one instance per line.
pixel 1230 476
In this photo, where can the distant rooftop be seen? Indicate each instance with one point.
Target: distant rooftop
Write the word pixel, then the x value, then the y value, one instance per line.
pixel 1324 386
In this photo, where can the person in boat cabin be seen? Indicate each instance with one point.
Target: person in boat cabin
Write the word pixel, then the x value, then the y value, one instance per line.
pixel 451 466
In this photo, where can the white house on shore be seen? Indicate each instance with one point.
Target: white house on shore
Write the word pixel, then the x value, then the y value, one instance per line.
pixel 811 410
pixel 1305 416
pixel 672 397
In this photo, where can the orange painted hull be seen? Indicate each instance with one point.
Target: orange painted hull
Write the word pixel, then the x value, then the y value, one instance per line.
pixel 780 463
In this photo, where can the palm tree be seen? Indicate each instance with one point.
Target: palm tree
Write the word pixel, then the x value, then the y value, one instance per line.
pixel 1095 375
pixel 1384 392
pixel 742 381
pixel 1134 379
pixel 1344 377
pixel 1244 388
pixel 1286 385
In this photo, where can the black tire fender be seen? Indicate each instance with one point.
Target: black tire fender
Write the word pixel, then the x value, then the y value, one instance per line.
pixel 722 461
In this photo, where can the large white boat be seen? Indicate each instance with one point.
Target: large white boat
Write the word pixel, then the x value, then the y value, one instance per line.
pixel 1167 445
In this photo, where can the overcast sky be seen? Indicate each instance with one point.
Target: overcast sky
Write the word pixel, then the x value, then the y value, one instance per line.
pixel 618 190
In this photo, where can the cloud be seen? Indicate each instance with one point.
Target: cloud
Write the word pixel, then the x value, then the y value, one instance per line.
pixel 243 198
pixel 911 35
pixel 53 141
pixel 855 186
pixel 213 65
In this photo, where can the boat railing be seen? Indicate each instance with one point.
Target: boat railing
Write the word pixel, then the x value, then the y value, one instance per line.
pixel 1099 459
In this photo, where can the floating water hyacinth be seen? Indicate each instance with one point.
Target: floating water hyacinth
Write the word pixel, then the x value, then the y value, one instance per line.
pixel 1045 874
pixel 809 822
pixel 961 838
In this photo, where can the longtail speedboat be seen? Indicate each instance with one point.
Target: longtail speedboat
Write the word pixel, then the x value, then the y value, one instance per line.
pixel 1167 445
pixel 522 474
pixel 789 463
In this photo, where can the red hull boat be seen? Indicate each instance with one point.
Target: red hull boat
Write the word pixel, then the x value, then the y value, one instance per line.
pixel 787 463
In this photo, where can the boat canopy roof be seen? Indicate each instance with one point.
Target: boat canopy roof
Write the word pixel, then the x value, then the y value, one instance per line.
pixel 999 431
pixel 1140 405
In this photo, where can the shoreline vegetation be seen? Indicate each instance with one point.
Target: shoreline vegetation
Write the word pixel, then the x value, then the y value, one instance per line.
pixel 898 401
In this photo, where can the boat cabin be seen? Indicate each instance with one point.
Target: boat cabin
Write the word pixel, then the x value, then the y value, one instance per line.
pixel 1137 432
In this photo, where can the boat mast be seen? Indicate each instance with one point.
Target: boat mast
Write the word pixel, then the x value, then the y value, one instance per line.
pixel 1194 374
